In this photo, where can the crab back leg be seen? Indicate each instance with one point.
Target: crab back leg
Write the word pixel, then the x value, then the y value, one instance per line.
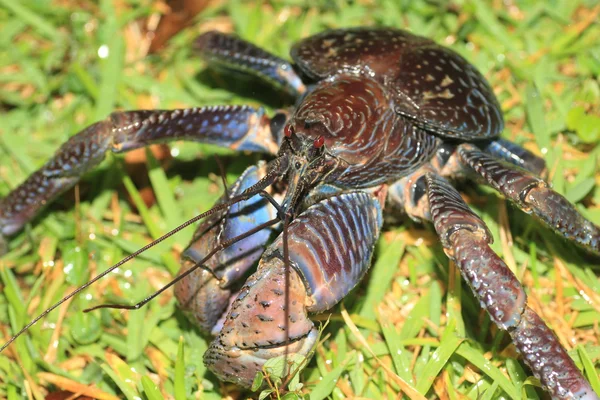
pixel 533 195
pixel 517 155
pixel 330 249
pixel 204 295
pixel 466 239
pixel 231 52
pixel 236 127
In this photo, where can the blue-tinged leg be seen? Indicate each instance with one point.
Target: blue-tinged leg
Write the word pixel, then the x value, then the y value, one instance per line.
pixel 533 195
pixel 236 127
pixel 231 52
pixel 517 155
pixel 203 295
pixel 330 249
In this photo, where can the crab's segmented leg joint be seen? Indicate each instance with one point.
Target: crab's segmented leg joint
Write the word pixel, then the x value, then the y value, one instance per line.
pixel 236 127
pixel 231 52
pixel 76 156
pixel 517 155
pixel 548 360
pixel 466 240
pixel 533 195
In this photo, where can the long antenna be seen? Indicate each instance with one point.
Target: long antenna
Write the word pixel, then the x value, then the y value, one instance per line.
pixel 199 264
pixel 245 195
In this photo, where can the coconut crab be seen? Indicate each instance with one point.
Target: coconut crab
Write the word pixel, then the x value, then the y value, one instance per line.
pixel 382 116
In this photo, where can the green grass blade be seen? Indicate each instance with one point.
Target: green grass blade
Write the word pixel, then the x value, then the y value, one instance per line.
pixel 150 389
pixel 535 117
pixel 448 345
pixel 121 377
pixel 381 276
pixel 590 371
pixel 400 356
pixel 31 18
pixel 476 358
pixel 180 393
pixel 112 51
pixel 328 382
pixel 164 195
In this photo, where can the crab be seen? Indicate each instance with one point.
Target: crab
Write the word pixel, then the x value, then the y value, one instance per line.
pixel 384 119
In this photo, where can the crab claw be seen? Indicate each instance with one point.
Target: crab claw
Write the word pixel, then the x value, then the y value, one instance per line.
pixel 205 294
pixel 254 330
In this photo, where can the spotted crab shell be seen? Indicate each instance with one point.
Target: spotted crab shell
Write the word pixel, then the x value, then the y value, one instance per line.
pixel 430 84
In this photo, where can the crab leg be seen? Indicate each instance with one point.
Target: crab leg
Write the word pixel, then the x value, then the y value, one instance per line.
pixel 231 52
pixel 517 155
pixel 237 127
pixel 533 195
pixel 465 238
pixel 204 295
pixel 330 247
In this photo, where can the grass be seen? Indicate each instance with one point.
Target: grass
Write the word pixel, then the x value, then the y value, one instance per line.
pixel 419 329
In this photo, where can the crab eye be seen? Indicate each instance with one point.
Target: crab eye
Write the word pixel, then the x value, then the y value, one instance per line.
pixel 298 165
pixel 318 143
pixel 287 131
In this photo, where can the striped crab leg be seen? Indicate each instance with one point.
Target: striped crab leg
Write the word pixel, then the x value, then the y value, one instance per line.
pixel 532 195
pixel 236 127
pixel 232 53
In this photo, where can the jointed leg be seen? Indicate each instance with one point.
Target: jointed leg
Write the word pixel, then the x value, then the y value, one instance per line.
pixel 425 195
pixel 532 195
pixel 465 239
pixel 517 155
pixel 234 53
pixel 520 185
pixel 237 127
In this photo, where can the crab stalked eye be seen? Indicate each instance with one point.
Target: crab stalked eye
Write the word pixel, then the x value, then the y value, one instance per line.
pixel 319 141
pixel 287 131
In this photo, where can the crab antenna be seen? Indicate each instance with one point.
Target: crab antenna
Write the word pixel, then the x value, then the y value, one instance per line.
pixel 276 168
pixel 286 262
pixel 199 264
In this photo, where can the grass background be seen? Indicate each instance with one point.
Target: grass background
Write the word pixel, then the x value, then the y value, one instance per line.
pixel 65 65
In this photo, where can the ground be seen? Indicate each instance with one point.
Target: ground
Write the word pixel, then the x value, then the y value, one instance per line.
pixel 65 65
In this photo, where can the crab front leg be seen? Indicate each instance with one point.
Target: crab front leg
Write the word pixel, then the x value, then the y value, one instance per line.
pixel 205 294
pixel 466 239
pixel 330 249
pixel 236 127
